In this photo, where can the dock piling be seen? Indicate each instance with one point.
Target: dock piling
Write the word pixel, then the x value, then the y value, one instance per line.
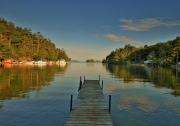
pixel 109 103
pixel 102 85
pixel 80 84
pixel 71 103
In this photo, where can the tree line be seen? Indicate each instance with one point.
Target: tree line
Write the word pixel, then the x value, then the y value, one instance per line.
pixel 90 60
pixel 162 54
pixel 16 42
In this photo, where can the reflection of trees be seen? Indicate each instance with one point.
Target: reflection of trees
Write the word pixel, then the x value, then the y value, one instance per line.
pixel 62 69
pixel 18 80
pixel 128 73
pixel 144 103
pixel 161 77
pixel 164 77
pixel 90 64
pixel 104 65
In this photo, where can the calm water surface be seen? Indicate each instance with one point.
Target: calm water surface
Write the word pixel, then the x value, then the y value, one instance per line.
pixel 40 95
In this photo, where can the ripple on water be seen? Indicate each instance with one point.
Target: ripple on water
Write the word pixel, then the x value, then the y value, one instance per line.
pixel 143 103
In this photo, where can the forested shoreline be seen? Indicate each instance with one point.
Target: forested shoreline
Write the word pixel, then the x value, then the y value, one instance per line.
pixel 90 60
pixel 20 43
pixel 162 54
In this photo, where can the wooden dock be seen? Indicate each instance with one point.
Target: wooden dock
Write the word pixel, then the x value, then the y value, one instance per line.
pixel 90 107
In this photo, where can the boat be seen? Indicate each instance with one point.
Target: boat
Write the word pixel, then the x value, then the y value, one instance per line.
pixel 62 61
pixel 15 62
pixel 20 62
pixel 42 62
pixel 8 61
pixel 30 62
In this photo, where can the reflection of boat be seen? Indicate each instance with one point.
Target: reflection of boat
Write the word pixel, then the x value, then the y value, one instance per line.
pixel 7 65
pixel 41 66
pixel 40 62
pixel 49 62
pixel 62 65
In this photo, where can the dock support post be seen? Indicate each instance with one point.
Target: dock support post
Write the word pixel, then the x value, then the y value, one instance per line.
pixel 109 103
pixel 80 84
pixel 84 78
pixel 71 103
pixel 99 78
pixel 102 85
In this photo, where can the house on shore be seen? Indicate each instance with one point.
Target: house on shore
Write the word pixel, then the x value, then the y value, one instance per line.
pixel 150 63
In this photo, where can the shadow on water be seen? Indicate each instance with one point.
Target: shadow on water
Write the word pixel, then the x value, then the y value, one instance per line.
pixel 17 80
pixel 160 77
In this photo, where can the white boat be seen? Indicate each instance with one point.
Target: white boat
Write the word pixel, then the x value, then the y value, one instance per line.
pixel 40 62
pixel 30 62
pixel 62 61
pixel 15 62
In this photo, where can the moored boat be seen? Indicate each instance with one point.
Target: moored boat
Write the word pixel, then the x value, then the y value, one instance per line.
pixel 42 62
pixel 61 62
pixel 30 62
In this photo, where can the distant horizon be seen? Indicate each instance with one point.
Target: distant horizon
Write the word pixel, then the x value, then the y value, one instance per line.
pixel 92 29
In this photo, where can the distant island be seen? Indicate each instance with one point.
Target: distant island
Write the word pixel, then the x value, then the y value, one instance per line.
pixel 75 61
pixel 90 60
pixel 93 61
pixel 98 61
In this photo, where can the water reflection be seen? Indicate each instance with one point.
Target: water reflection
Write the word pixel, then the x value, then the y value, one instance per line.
pixel 90 64
pixel 144 103
pixel 17 80
pixel 62 66
pixel 138 93
pixel 160 77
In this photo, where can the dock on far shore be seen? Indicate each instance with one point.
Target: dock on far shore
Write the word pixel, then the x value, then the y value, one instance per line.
pixel 90 107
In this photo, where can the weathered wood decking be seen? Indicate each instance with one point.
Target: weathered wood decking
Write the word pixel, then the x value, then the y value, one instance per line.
pixel 90 107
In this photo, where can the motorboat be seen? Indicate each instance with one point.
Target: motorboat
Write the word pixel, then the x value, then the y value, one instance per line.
pixel 62 61
pixel 43 62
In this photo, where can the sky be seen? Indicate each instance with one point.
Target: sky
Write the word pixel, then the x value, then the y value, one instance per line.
pixel 91 29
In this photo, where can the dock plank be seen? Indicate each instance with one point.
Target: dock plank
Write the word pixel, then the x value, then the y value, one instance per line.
pixel 90 107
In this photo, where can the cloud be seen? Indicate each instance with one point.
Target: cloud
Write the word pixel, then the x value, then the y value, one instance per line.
pixel 126 21
pixel 145 24
pixel 97 35
pixel 171 24
pixel 121 39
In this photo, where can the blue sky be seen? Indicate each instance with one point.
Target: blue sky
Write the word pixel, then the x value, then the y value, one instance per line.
pixel 93 28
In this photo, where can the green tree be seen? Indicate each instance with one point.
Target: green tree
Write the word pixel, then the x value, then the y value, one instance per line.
pixel 19 42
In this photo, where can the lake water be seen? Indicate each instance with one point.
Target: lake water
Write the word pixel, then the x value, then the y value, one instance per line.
pixel 40 95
